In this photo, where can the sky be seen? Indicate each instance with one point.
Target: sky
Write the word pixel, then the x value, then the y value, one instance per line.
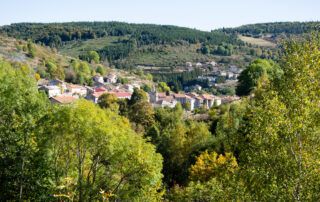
pixel 200 14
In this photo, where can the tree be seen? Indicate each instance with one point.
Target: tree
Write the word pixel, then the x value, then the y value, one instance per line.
pixel 98 152
pixel 138 95
pixel 163 87
pixel 109 101
pixel 205 49
pixel 101 70
pixel 146 88
pixel 249 77
pixel 210 165
pixel 23 171
pixel 187 106
pixel 31 49
pixel 142 114
pixel 178 142
pixel 281 136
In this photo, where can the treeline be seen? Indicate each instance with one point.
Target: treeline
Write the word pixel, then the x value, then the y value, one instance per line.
pixel 274 28
pixel 56 34
pixel 178 81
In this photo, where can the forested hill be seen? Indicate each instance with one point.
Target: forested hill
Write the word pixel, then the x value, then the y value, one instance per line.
pixel 55 34
pixel 274 28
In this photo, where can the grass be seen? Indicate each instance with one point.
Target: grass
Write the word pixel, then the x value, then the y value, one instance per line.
pixel 257 41
pixel 77 48
pixel 169 56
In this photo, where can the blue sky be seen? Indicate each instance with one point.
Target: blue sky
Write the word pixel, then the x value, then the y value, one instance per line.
pixel 200 14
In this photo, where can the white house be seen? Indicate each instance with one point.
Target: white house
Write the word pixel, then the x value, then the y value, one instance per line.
pixel 198 65
pixel 80 91
pixel 188 64
pixel 98 78
pixel 52 90
pixel 111 78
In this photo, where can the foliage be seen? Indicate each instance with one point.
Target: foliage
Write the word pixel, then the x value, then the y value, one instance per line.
pixel 138 95
pixel 90 56
pixel 163 87
pixel 210 165
pixel 109 101
pixel 275 28
pixel 280 159
pixel 248 78
pixel 56 34
pixel 31 50
pixel 24 174
pixel 97 150
pixel 178 142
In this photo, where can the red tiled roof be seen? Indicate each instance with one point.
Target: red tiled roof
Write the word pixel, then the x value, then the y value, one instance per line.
pixel 117 94
pixel 98 94
pixel 179 95
pixel 161 95
pixel 75 86
pixel 121 94
pixel 100 89
pixel 207 97
pixel 64 99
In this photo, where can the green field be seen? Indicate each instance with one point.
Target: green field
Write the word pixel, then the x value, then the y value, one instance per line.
pixel 76 48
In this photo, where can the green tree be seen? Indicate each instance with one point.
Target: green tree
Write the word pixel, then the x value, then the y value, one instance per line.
pixel 91 56
pixel 248 78
pixel 109 101
pixel 31 49
pixel 138 95
pixel 101 70
pixel 23 171
pixel 163 87
pixel 96 155
pixel 281 152
pixel 210 165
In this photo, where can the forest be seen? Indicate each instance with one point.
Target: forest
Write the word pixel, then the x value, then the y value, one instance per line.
pixel 275 28
pixel 55 34
pixel 264 147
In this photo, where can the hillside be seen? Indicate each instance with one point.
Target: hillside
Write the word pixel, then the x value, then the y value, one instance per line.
pixel 47 63
pixel 275 28
pixel 128 45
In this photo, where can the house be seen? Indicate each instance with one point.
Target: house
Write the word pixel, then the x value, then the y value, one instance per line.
pixel 111 78
pixel 122 95
pixel 100 89
pixel 198 65
pixel 63 99
pixel 223 73
pixel 188 64
pixel 198 100
pixel 230 75
pixel 78 90
pixel 96 95
pixel 129 87
pixel 197 87
pixel 52 91
pixel 234 69
pixel 213 63
pixel 165 103
pixel 208 100
pixel 217 101
pixel 190 100
pixel 98 79
pixel 56 82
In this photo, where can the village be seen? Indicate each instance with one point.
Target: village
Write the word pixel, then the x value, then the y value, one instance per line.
pixel 61 92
